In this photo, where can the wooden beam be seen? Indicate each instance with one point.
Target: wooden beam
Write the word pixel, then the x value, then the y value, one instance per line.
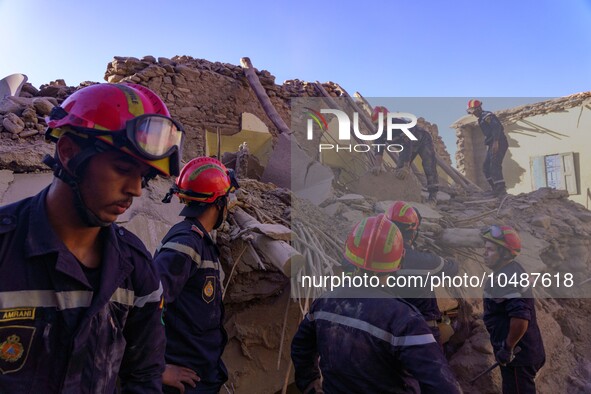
pixel 255 85
pixel 335 105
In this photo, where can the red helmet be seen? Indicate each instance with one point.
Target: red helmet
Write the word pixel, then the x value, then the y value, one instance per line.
pixel 505 236
pixel 376 112
pixel 404 215
pixel 128 116
pixel 473 104
pixel 203 180
pixel 375 244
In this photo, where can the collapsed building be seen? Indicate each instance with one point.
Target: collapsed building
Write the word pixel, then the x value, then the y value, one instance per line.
pixel 546 146
pixel 220 110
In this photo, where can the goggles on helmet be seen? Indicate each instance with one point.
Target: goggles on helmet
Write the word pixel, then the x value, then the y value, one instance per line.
pixel 496 232
pixel 152 136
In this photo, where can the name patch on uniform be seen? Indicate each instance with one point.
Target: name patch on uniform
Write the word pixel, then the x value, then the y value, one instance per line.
pixel 208 293
pixel 17 314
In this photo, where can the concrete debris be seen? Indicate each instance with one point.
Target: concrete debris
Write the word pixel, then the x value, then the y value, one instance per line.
pixel 203 95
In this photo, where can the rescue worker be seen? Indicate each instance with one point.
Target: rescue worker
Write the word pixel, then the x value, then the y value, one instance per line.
pixel 496 144
pixel 408 220
pixel 192 276
pixel 423 147
pixel 510 313
pixel 80 301
pixel 366 340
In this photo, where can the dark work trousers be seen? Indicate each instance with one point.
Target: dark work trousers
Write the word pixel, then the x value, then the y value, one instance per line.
pixel 520 380
pixel 427 153
pixel 493 165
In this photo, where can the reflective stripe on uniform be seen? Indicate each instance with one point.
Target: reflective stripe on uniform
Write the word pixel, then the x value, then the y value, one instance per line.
pixel 123 296
pixel 154 296
pixel 63 300
pixel 407 340
pixel 46 299
pixel 192 253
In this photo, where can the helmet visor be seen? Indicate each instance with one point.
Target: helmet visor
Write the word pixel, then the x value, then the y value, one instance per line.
pixel 155 136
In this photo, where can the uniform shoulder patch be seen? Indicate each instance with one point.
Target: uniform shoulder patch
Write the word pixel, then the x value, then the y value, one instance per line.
pixel 197 230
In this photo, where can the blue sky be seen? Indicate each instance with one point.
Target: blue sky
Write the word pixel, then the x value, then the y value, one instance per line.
pixel 394 48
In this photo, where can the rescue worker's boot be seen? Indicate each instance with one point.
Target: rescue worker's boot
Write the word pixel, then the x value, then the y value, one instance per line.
pixel 491 192
pixel 500 189
pixel 432 198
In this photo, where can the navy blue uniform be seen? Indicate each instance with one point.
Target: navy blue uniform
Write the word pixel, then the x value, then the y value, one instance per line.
pixel 189 267
pixel 61 334
pixel 422 147
pixel 500 305
pixel 493 163
pixel 423 298
pixel 369 345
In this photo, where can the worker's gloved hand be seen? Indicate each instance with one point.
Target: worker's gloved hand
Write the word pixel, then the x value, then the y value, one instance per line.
pixel 504 356
pixel 314 388
pixel 401 173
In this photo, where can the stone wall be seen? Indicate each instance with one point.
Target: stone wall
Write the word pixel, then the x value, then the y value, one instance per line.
pixel 205 95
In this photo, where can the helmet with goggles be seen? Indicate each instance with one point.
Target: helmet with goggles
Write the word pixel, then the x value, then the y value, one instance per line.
pixel 129 117
pixel 504 236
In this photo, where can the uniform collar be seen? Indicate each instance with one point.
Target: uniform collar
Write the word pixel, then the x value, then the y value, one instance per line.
pixel 42 240
pixel 198 228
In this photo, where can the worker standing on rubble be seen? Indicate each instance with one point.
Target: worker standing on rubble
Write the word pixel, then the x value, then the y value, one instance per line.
pixel 366 340
pixel 408 220
pixel 496 143
pixel 423 147
pixel 80 299
pixel 510 313
pixel 192 278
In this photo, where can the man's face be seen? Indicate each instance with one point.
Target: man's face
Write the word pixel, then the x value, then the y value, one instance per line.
pixel 492 255
pixel 110 182
pixel 476 111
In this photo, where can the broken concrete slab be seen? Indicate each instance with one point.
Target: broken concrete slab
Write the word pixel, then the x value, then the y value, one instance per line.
pixel 6 178
pixel 354 217
pixel 290 167
pixel 542 221
pixel 386 187
pixel 441 196
pixel 347 198
pixel 531 247
pixel 461 237
pixel 426 211
pixel 333 209
pixel 382 206
pixel 25 185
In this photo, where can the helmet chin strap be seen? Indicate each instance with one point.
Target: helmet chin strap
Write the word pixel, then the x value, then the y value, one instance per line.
pixel 221 204
pixel 86 215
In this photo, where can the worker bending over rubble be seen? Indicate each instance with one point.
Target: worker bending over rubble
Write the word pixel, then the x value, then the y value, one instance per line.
pixel 364 340
pixel 408 220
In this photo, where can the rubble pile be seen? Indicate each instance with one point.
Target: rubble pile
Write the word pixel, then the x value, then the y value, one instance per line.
pixel 261 316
